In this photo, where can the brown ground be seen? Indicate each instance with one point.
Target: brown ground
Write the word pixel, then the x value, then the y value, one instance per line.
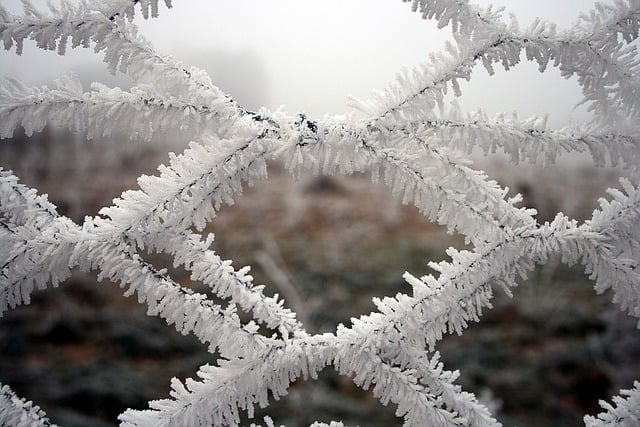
pixel 84 353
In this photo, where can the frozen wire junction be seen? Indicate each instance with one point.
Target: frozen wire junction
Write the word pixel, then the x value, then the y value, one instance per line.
pixel 409 137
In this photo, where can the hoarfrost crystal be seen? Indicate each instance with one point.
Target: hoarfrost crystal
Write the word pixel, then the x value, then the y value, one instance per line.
pixel 409 138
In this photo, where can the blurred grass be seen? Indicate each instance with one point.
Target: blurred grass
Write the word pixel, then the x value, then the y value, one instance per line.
pixel 85 353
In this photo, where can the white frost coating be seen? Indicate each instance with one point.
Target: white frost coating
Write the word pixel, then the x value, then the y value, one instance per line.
pixel 409 139
pixel 17 412
pixel 625 412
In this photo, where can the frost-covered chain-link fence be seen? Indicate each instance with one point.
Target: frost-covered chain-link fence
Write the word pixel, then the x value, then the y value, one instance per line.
pixel 409 138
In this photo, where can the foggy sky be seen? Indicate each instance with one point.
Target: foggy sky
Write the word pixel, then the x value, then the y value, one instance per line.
pixel 309 55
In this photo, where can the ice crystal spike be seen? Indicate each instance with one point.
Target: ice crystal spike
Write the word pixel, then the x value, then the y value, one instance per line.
pixel 409 137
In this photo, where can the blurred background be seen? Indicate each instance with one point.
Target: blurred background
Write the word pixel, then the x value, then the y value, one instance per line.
pixel 327 244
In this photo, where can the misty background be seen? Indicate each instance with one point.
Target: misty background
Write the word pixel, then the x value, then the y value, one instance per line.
pixel 310 55
pixel 85 353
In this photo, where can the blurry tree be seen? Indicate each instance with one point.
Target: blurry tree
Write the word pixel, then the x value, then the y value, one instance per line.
pixel 409 138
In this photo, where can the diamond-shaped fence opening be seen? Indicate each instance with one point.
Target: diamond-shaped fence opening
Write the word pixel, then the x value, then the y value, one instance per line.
pixel 409 139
